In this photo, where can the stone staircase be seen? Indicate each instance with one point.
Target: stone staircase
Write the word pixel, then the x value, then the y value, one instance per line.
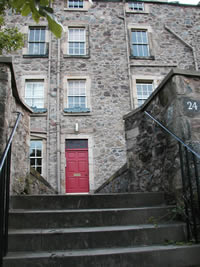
pixel 115 230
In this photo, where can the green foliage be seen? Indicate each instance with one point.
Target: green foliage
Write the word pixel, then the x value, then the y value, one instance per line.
pixel 38 9
pixel 10 38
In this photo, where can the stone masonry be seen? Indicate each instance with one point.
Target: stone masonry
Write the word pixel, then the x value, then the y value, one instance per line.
pixel 10 103
pixel 111 73
pixel 153 155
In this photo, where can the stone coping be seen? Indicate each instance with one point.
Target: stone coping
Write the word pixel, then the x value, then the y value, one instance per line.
pixel 175 3
pixel 8 61
pixel 173 72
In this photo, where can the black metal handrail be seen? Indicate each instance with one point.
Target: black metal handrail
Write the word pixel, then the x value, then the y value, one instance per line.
pixel 190 181
pixel 5 164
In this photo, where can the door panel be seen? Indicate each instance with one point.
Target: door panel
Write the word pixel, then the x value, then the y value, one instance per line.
pixel 77 171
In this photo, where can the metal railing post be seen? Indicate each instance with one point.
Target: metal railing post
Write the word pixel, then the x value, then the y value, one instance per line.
pixel 5 164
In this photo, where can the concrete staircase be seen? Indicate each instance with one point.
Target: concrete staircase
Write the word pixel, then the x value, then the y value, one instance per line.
pixel 101 230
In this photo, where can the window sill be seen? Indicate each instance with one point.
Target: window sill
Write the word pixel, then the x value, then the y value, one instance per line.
pixel 77 111
pixel 38 110
pixel 143 58
pixel 76 56
pixel 76 9
pixel 35 56
pixel 136 12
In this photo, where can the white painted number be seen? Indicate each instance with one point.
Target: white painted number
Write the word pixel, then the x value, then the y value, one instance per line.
pixel 192 105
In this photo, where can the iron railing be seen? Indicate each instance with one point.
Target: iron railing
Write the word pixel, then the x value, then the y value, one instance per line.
pixel 190 165
pixel 5 164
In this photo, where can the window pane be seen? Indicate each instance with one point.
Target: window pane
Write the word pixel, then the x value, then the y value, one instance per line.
pixel 140 51
pixel 76 144
pixel 82 102
pixel 135 50
pixel 34 94
pixel 145 51
pixel 37 35
pixel 39 161
pixel 36 154
pixel 139 37
pixel 134 37
pixel 144 37
pixel 70 102
pixel 42 35
pixel 42 49
pixel 31 35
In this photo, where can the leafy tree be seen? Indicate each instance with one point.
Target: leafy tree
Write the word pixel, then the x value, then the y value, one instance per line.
pixel 10 38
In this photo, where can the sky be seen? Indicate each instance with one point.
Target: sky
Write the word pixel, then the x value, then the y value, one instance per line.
pixel 193 2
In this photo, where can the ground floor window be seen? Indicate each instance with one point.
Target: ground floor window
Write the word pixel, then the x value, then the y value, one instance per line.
pixel 36 155
pixel 144 90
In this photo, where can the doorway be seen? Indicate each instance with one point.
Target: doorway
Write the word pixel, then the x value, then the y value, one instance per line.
pixel 77 166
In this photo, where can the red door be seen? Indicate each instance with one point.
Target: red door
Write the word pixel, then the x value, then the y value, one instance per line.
pixel 77 171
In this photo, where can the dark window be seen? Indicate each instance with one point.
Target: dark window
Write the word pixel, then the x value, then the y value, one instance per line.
pixel 75 3
pixel 76 143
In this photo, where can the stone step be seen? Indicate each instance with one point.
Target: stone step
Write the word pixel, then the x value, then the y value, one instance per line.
pixel 57 202
pixel 41 219
pixel 94 237
pixel 150 256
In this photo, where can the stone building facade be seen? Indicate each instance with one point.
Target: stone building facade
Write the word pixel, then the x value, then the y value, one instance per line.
pixel 112 55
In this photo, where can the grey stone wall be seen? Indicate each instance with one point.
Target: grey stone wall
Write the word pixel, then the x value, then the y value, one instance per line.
pixel 153 156
pixel 9 105
pixel 119 182
pixel 111 71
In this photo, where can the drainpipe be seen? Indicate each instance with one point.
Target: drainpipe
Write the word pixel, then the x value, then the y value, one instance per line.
pixel 128 54
pixel 188 45
pixel 48 105
pixel 58 120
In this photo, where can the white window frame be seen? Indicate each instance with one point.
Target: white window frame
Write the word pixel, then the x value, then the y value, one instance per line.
pixel 75 41
pixel 86 5
pixel 141 43
pixel 149 31
pixel 128 8
pixel 37 43
pixel 75 4
pixel 36 157
pixel 33 97
pixel 71 88
pixel 136 6
pixel 87 93
pixel 155 80
pixel 143 97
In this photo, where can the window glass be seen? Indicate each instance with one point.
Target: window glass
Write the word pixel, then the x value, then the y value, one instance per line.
pixel 75 3
pixel 136 6
pixel 144 90
pixel 76 143
pixel 140 46
pixel 36 41
pixel 34 93
pixel 36 155
pixel 76 41
pixel 76 93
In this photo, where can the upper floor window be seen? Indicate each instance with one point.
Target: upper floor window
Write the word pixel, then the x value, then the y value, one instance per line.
pixel 77 94
pixel 36 155
pixel 75 4
pixel 140 43
pixel 34 93
pixel 76 41
pixel 36 41
pixel 144 90
pixel 136 6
